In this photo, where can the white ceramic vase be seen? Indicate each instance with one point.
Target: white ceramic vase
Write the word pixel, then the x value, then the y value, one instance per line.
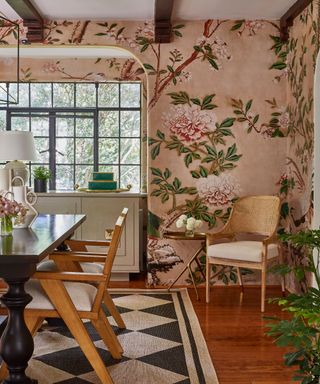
pixel 27 198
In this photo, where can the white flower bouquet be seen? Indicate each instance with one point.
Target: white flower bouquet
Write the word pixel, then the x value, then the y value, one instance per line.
pixel 189 223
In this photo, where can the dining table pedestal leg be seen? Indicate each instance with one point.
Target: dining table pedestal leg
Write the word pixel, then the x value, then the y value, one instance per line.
pixel 16 345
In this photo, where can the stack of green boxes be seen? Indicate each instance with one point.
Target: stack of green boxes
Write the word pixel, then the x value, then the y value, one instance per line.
pixel 102 181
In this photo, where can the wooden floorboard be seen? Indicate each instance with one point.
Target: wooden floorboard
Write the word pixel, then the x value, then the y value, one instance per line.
pixel 234 330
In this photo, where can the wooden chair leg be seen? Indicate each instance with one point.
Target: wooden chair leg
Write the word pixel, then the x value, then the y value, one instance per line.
pixel 283 281
pixel 208 275
pixel 263 288
pixel 58 295
pixel 105 330
pixel 113 310
pixel 3 371
pixel 240 278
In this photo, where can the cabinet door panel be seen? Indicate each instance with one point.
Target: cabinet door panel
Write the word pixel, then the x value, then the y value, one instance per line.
pixel 102 213
pixel 66 205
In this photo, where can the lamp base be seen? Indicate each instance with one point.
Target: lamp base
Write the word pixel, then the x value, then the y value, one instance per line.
pixel 18 168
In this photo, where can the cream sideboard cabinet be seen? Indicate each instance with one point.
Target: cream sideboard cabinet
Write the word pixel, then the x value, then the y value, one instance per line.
pixel 102 211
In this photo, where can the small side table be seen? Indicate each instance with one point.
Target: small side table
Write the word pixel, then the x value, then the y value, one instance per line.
pixel 176 235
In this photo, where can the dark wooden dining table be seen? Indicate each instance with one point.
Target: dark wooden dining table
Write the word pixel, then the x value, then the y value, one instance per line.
pixel 19 256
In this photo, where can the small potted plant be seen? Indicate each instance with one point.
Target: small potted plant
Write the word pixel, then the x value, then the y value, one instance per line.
pixel 41 176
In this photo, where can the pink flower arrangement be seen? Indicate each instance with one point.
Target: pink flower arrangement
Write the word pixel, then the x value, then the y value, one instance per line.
pixel 10 208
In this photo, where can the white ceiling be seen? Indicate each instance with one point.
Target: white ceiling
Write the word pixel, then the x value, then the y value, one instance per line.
pixel 144 9
pixel 61 52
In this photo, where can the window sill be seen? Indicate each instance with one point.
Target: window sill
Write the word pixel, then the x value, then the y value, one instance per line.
pixel 91 194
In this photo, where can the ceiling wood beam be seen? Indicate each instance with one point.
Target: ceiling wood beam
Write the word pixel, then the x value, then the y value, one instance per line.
pixel 31 19
pixel 287 19
pixel 162 21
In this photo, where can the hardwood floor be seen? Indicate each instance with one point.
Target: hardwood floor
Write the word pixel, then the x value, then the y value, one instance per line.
pixel 235 335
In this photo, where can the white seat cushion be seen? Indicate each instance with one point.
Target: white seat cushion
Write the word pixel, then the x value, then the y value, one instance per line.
pixel 81 294
pixel 50 265
pixel 241 250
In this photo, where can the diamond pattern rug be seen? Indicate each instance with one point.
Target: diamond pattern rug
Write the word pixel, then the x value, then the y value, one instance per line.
pixel 163 344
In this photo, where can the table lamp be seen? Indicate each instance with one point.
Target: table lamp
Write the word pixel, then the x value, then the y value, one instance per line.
pixel 15 147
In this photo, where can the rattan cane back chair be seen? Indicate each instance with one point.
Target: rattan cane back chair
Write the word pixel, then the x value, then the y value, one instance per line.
pixel 250 216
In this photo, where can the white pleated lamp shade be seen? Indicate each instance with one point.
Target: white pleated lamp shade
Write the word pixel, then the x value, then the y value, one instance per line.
pixel 17 145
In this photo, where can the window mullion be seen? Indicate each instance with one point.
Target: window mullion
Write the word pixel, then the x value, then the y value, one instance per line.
pixel 52 149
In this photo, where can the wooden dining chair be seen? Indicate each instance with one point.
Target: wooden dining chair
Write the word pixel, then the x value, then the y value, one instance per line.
pixel 68 295
pixel 256 216
pixel 93 263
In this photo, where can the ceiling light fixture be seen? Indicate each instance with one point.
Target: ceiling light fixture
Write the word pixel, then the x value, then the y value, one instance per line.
pixel 11 96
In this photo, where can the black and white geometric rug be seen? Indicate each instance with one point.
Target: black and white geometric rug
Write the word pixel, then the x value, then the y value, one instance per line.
pixel 163 344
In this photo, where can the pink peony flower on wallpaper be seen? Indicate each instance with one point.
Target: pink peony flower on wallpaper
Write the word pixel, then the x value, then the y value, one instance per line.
pixel 218 190
pixel 50 67
pixel 189 123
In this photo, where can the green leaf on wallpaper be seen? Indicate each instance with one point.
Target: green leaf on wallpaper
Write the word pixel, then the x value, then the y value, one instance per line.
pixel 196 101
pixel 238 24
pixel 178 26
pixel 256 118
pixel 144 47
pixel 156 181
pixel 208 159
pixel 170 68
pixel 228 122
pixel 179 98
pixel 156 172
pixel 248 105
pixel 188 159
pixel 279 65
pixel 211 151
pixel 226 132
pixel 148 66
pixel 166 173
pixel 197 48
pixel 160 134
pixel 155 151
pixel 173 145
pixel 213 63
pixel 177 33
pixel 203 171
pixel 195 174
pixel 165 197
pixel 120 31
pixel 231 151
pixel 176 183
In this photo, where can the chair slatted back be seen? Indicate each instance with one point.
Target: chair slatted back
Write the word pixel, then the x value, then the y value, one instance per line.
pixel 115 240
pixel 255 214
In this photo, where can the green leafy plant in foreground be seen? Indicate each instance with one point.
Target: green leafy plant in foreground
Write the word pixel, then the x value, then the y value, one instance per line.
pixel 302 331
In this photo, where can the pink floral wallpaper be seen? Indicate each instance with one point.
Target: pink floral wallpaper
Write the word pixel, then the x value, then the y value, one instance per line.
pixel 218 122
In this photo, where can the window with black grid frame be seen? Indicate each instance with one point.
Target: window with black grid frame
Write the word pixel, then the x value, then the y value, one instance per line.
pixel 80 128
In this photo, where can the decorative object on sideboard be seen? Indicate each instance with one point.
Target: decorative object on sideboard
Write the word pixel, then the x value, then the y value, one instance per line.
pixel 103 182
pixel 26 199
pixel 189 223
pixel 16 147
pixel 41 176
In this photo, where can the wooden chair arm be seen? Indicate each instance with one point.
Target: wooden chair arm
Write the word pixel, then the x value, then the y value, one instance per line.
pixel 270 240
pixel 78 256
pixel 219 235
pixel 80 245
pixel 69 276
